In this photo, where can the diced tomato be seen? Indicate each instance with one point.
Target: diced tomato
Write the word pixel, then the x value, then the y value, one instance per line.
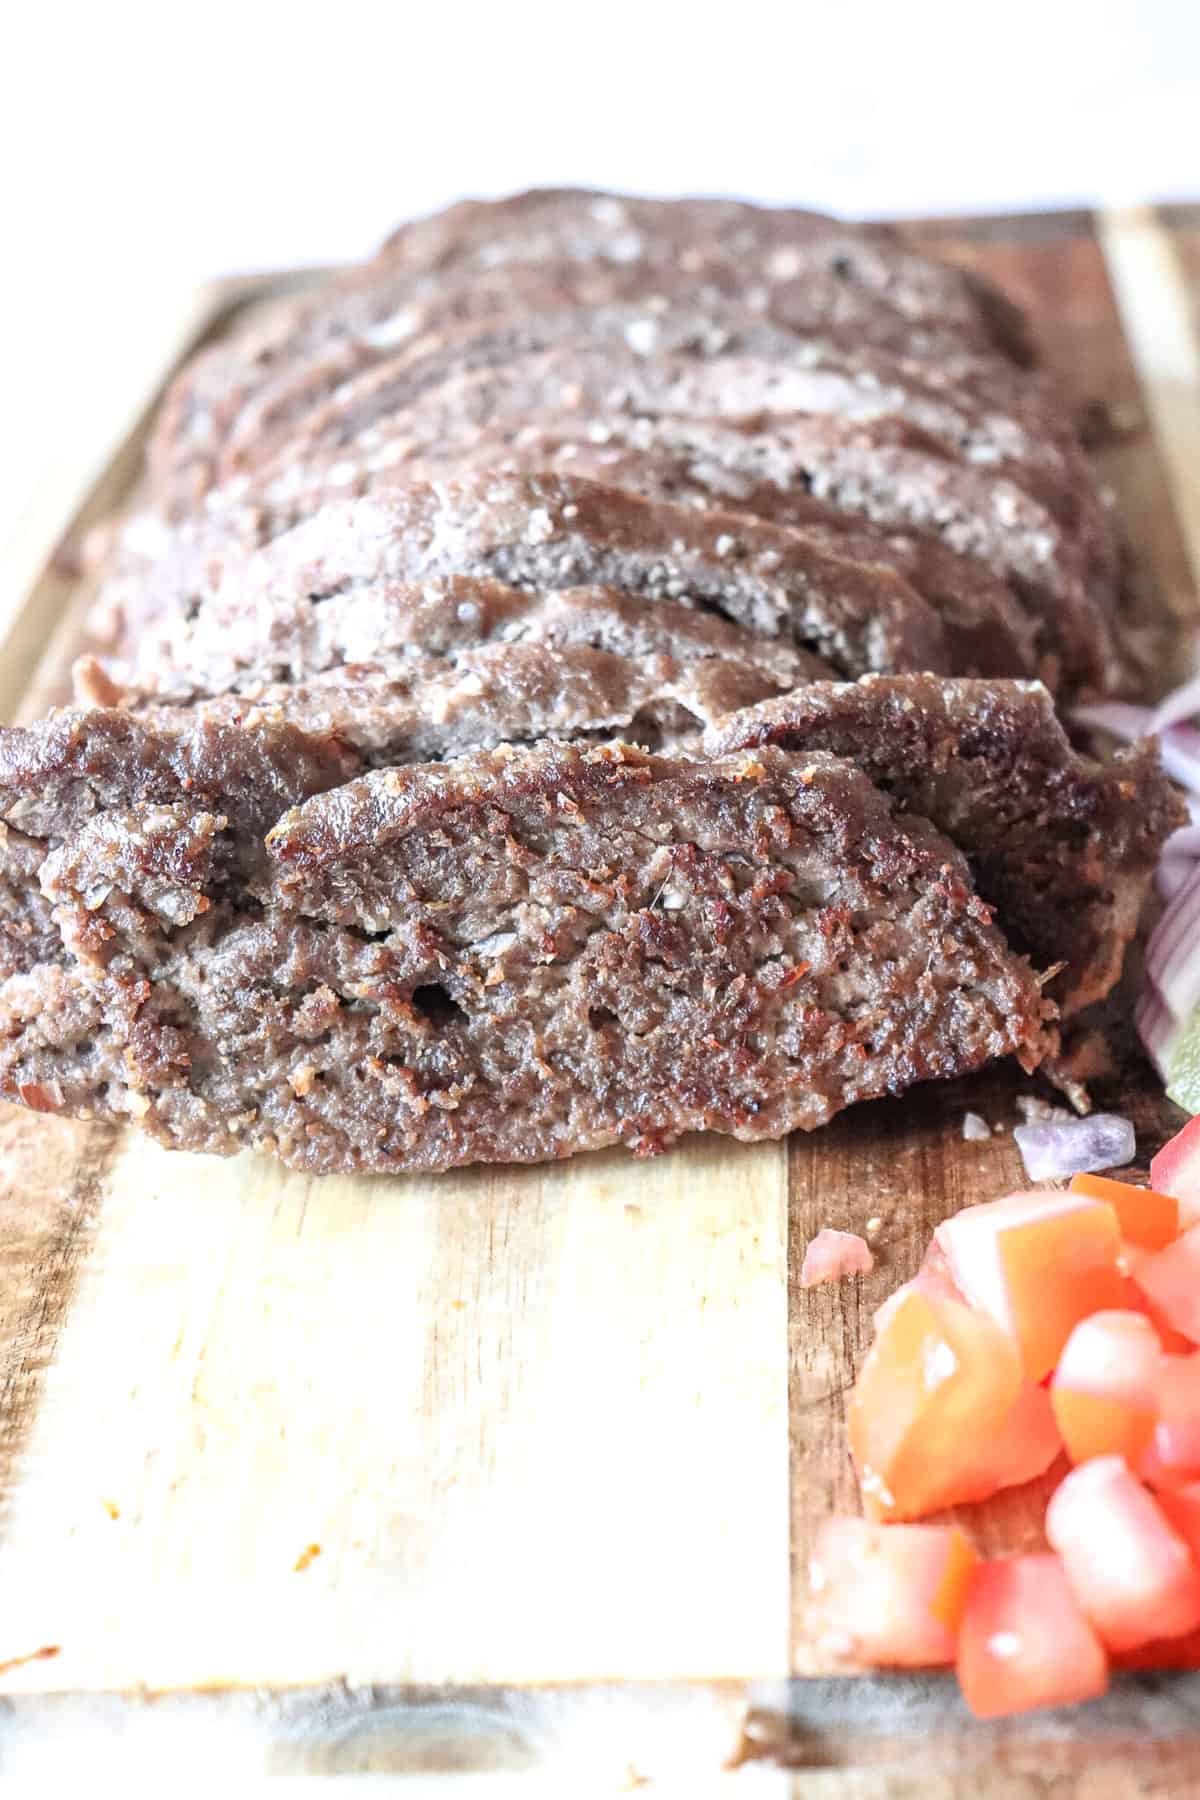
pixel 832 1254
pixel 1181 1505
pixel 1024 1447
pixel 1024 1642
pixel 1036 1263
pixel 890 1594
pixel 1170 1280
pixel 1176 1170
pixel 1173 1458
pixel 1133 1300
pixel 1105 1392
pixel 938 1383
pixel 933 1279
pixel 1132 1574
pixel 1145 1218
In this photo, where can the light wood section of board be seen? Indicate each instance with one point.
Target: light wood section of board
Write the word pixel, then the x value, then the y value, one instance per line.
pixel 1159 318
pixel 501 1428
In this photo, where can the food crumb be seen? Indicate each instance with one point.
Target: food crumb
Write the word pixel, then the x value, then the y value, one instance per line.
pixel 1035 1111
pixel 975 1128
pixel 112 1509
pixel 832 1255
pixel 309 1554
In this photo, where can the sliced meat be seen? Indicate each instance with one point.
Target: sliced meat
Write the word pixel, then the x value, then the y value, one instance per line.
pixel 418 634
pixel 989 409
pixel 594 379
pixel 511 958
pixel 1062 846
pixel 537 533
pixel 1047 535
pixel 987 631
pixel 1065 576
pixel 801 270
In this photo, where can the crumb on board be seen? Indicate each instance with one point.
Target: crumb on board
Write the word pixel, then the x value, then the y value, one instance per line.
pixel 1036 1112
pixel 308 1555
pixel 975 1128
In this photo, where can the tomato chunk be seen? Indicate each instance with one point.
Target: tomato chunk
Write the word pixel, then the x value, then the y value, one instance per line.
pixel 1181 1506
pixel 1024 1642
pixel 1173 1458
pixel 938 1383
pixel 1024 1447
pixel 933 1279
pixel 1105 1388
pixel 1170 1280
pixel 1134 1300
pixel 1145 1218
pixel 1176 1170
pixel 1036 1263
pixel 890 1594
pixel 1131 1572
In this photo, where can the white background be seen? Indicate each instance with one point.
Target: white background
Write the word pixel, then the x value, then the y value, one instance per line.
pixel 144 147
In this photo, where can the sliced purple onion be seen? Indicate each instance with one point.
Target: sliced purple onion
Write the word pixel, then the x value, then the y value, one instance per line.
pixel 1173 873
pixel 1177 708
pixel 1156 1028
pixel 1056 1148
pixel 1184 842
pixel 1117 716
pixel 1179 746
pixel 1170 996
pixel 1173 953
pixel 1180 751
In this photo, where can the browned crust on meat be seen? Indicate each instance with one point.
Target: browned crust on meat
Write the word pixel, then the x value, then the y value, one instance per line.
pixel 1063 846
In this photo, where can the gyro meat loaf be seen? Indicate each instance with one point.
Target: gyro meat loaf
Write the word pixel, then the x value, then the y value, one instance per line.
pixel 512 957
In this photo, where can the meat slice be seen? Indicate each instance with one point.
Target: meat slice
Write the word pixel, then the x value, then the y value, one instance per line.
pixel 512 957
pixel 553 248
pixel 539 533
pixel 1048 538
pixel 1062 846
pixel 445 325
pixel 1063 573
pixel 664 356
pixel 987 630
pixel 420 407
pixel 467 633
pixel 784 249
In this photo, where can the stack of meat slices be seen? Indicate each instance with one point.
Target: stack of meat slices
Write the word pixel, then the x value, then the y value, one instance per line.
pixel 581 677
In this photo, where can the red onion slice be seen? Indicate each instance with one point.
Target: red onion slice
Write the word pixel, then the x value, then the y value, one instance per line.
pixel 1173 953
pixel 1173 873
pixel 1056 1148
pixel 1179 707
pixel 1179 745
pixel 1156 1028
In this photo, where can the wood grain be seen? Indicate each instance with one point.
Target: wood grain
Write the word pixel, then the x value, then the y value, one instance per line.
pixel 518 1418
pixel 519 1469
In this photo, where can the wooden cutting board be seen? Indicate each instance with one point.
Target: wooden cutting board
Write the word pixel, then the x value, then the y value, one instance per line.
pixel 518 1469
